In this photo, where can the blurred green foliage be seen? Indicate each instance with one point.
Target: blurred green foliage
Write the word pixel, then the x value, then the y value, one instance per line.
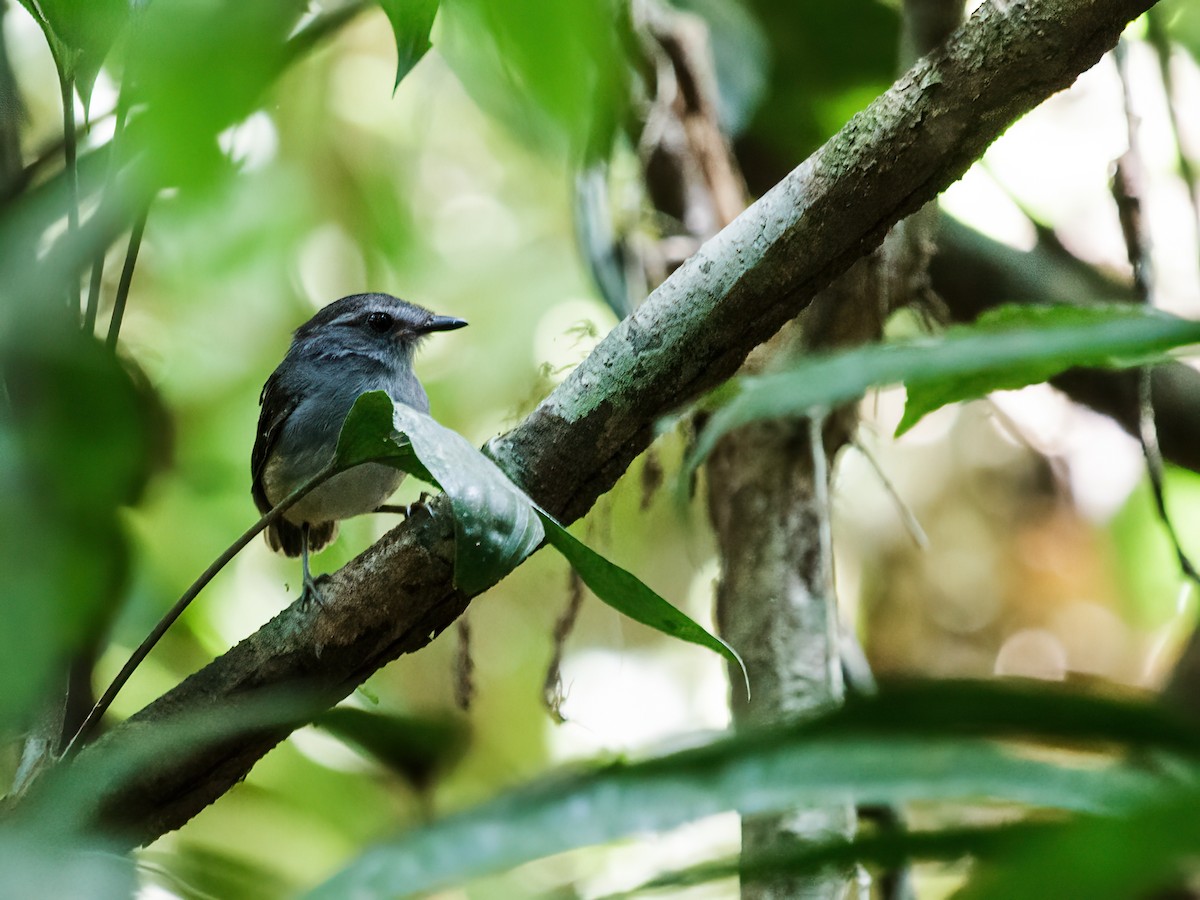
pixel 288 157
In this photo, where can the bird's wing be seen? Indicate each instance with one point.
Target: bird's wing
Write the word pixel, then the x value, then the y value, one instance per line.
pixel 278 403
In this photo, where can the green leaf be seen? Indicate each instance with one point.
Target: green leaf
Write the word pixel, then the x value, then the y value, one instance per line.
pixel 369 435
pixel 412 21
pixel 495 527
pixel 1137 854
pixel 496 524
pixel 76 444
pixel 38 865
pixel 554 73
pixel 1010 347
pixel 627 594
pixel 1014 346
pixel 418 748
pixel 889 848
pixel 922 743
pixel 80 34
pixel 1182 21
pixel 818 77
pixel 199 67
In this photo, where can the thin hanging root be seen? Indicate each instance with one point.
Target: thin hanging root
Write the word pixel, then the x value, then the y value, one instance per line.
pixel 553 694
pixel 911 524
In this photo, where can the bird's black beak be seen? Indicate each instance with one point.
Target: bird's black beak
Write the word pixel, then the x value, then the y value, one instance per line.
pixel 442 323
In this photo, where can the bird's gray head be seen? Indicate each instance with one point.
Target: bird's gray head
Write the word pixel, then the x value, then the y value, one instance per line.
pixel 372 325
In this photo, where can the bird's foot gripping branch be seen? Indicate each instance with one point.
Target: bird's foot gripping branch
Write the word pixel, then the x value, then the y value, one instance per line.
pixel 496 524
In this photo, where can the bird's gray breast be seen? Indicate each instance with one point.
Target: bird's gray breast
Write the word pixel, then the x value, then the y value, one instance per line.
pixel 309 438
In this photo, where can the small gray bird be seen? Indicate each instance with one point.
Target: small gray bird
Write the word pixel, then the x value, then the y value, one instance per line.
pixel 360 343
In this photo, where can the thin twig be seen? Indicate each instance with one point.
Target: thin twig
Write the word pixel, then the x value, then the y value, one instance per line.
pixel 93 299
pixel 464 666
pixel 1127 191
pixel 321 27
pixel 131 255
pixel 907 516
pixel 1045 234
pixel 823 567
pixel 71 162
pixel 143 650
pixel 1156 32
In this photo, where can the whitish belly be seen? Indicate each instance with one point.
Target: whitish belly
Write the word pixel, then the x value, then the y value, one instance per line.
pixel 350 493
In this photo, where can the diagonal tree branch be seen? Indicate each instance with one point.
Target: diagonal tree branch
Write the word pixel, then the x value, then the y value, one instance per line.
pixel 690 334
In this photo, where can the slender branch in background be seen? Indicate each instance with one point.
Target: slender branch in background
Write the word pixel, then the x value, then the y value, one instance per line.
pixel 1156 32
pixel 143 650
pixel 25 175
pixel 464 666
pixel 1128 187
pixel 908 518
pixel 1045 235
pixel 321 27
pixel 131 255
pixel 71 162
pixel 552 688
pixel 93 299
pixel 11 115
pixel 823 574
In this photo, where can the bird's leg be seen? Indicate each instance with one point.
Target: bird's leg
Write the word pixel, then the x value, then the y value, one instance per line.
pixel 311 593
pixel 404 510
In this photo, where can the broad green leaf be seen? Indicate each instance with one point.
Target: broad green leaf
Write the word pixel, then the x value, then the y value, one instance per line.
pixel 918 743
pixel 826 61
pixel 199 67
pixel 80 34
pixel 189 870
pixel 884 848
pixel 38 865
pixel 1136 854
pixel 1014 346
pixel 411 20
pixel 554 73
pixel 369 435
pixel 1181 19
pixel 627 594
pixel 1010 347
pixel 76 444
pixel 418 748
pixel 496 524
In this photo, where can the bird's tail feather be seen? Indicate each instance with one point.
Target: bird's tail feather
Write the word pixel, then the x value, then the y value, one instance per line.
pixel 286 537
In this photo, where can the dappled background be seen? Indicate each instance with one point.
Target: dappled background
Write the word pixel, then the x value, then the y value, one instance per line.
pixel 456 191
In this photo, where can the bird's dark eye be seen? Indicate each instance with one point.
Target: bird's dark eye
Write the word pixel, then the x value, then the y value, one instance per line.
pixel 380 322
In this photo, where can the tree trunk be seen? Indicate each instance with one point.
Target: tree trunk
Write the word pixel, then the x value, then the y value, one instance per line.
pixel 770 511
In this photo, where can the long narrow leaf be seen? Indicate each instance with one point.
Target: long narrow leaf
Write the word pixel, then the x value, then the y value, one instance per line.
pixel 1102 858
pixel 886 848
pixel 411 21
pixel 1011 347
pixel 496 524
pixel 626 594
pixel 871 752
